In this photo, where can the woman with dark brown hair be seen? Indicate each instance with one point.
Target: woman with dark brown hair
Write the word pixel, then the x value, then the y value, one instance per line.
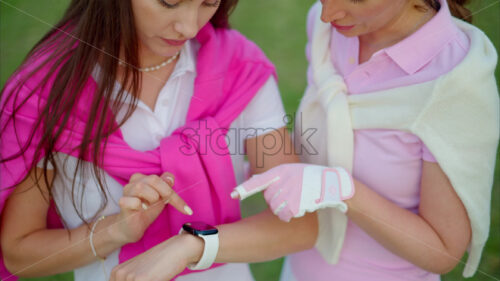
pixel 117 130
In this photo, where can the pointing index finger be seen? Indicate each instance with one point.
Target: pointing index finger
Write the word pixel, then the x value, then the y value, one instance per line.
pixel 254 185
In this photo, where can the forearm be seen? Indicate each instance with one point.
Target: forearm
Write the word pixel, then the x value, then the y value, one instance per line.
pixel 264 237
pixel 52 251
pixel 402 232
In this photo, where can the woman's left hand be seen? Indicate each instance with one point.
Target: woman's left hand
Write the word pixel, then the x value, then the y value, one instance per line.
pixel 162 262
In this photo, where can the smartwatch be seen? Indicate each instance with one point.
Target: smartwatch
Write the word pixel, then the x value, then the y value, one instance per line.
pixel 210 235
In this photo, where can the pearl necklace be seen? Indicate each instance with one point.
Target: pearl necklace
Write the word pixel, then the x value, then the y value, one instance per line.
pixel 156 67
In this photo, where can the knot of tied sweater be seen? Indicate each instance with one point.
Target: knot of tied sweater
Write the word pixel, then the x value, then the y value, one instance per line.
pixel 331 90
pixel 332 96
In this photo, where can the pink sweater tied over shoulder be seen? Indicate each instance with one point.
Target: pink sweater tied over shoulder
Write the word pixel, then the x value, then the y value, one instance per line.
pixel 230 71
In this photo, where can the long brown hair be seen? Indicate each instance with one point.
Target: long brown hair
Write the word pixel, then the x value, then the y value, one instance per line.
pixel 457 8
pixel 90 31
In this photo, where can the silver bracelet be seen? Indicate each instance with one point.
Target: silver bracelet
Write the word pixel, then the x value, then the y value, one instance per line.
pixel 92 236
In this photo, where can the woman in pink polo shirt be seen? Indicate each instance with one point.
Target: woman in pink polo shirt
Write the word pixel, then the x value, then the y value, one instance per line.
pixel 378 45
pixel 373 63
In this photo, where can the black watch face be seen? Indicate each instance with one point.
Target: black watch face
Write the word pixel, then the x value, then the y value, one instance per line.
pixel 199 228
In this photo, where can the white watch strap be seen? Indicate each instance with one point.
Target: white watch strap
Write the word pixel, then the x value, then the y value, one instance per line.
pixel 209 252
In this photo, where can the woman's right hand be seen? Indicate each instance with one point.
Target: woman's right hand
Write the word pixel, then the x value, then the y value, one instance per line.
pixel 144 198
pixel 293 189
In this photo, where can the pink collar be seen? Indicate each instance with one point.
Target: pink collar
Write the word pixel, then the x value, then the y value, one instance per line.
pixel 418 49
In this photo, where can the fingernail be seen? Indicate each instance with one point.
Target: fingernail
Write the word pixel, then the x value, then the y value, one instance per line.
pixel 169 180
pixel 235 194
pixel 188 210
pixel 144 206
pixel 166 201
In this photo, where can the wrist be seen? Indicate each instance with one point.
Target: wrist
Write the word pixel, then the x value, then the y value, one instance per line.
pixel 351 202
pixel 194 247
pixel 117 236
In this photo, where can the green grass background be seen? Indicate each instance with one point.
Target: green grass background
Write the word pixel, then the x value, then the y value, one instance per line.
pixel 278 26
